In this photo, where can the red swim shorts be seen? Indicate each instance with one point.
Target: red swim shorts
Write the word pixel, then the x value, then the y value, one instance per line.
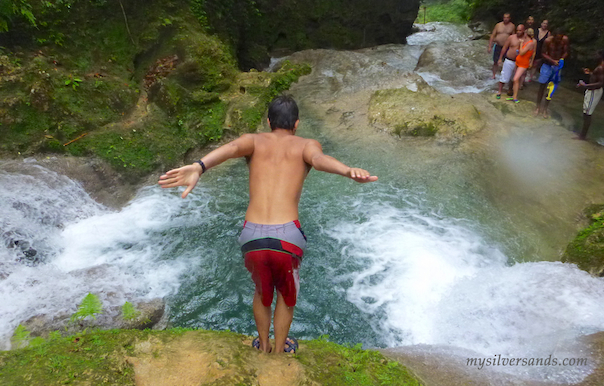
pixel 273 254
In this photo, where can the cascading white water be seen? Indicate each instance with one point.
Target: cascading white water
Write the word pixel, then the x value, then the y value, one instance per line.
pixel 58 245
pixel 434 281
pixel 418 276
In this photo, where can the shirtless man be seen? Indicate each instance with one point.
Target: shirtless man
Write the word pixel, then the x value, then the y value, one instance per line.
pixel 501 32
pixel 271 241
pixel 510 50
pixel 593 92
pixel 555 50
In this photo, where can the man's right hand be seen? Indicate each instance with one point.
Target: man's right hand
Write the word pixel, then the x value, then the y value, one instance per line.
pixel 184 176
pixel 361 175
pixel 490 48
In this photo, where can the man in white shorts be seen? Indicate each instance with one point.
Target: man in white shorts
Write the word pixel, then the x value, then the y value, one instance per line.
pixel 593 92
pixel 509 51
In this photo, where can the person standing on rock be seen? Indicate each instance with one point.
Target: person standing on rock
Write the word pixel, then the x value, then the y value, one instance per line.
pixel 555 50
pixel 511 48
pixel 541 34
pixel 501 33
pixel 593 92
pixel 272 241
pixel 524 60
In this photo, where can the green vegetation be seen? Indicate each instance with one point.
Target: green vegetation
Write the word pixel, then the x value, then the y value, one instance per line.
pixel 138 93
pixel 102 358
pixel 332 364
pixel 587 249
pixel 129 312
pixel 91 306
pixel 453 11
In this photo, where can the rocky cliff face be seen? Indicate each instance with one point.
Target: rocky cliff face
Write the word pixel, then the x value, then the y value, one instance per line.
pixel 287 26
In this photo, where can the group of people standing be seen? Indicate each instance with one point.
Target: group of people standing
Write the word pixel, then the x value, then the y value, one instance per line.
pixel 523 50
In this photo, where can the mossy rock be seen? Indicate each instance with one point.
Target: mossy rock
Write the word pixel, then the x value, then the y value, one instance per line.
pixel 587 249
pixel 94 89
pixel 424 112
pixel 179 356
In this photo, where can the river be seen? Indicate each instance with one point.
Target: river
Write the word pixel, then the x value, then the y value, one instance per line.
pixel 435 255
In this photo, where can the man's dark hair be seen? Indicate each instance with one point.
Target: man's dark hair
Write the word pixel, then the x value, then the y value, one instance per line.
pixel 559 31
pixel 283 113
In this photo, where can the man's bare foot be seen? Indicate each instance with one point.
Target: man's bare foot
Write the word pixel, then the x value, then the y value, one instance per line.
pixel 578 137
pixel 536 112
pixel 545 114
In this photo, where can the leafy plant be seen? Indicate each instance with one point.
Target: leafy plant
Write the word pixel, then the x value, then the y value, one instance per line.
pixel 11 8
pixel 21 336
pixel 91 306
pixel 129 312
pixel 74 82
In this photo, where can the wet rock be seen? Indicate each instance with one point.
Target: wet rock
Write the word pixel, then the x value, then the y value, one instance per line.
pixel 587 249
pixel 149 314
pixel 470 60
pixel 424 112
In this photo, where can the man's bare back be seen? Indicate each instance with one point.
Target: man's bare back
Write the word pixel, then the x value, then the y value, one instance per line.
pixel 272 241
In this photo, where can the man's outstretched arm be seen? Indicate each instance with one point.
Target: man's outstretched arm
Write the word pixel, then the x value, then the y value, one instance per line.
pixel 189 175
pixel 313 155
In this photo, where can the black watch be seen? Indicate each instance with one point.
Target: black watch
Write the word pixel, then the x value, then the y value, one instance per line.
pixel 203 166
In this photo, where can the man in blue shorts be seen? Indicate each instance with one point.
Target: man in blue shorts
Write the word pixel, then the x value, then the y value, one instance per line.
pixel 272 241
pixel 555 50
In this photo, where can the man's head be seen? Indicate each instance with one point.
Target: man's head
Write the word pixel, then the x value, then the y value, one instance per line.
pixel 558 34
pixel 544 24
pixel 530 21
pixel 506 18
pixel 600 55
pixel 520 30
pixel 283 113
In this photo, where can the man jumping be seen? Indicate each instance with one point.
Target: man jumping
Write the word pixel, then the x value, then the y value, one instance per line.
pixel 272 241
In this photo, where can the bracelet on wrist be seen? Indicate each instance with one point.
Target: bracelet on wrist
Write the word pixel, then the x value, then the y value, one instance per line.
pixel 203 166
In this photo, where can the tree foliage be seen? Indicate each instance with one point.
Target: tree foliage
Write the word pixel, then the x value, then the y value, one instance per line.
pixel 10 9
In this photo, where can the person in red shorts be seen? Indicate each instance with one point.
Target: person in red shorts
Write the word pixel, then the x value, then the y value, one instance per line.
pixel 272 240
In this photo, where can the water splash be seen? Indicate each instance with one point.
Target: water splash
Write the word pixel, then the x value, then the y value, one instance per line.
pixel 433 281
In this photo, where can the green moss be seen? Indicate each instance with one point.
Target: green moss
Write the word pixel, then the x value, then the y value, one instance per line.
pixel 454 11
pixel 587 249
pixel 250 117
pixel 332 364
pixel 99 358
pixel 96 358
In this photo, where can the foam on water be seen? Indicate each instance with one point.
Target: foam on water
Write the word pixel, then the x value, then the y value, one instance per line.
pixel 428 280
pixel 439 32
pixel 83 247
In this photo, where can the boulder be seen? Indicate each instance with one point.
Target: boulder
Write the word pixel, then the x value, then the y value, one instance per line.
pixel 422 111
pixel 587 249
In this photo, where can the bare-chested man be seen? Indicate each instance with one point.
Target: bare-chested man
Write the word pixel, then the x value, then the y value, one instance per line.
pixel 509 52
pixel 555 50
pixel 271 240
pixel 501 32
pixel 593 92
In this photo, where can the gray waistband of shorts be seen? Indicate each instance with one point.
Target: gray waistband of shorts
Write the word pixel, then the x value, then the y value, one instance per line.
pixel 287 232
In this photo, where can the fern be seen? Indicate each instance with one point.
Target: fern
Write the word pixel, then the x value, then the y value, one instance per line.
pixel 21 336
pixel 91 306
pixel 129 312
